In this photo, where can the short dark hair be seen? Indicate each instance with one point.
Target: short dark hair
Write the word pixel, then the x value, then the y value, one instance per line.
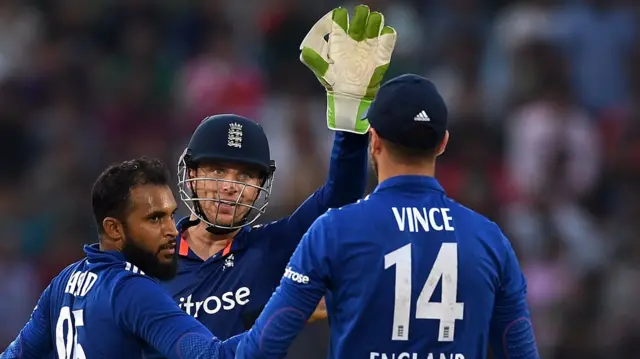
pixel 111 191
pixel 409 155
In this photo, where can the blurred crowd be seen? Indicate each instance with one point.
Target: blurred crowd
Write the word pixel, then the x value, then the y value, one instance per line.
pixel 544 98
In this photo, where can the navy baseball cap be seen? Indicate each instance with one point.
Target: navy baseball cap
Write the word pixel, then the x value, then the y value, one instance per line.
pixel 409 111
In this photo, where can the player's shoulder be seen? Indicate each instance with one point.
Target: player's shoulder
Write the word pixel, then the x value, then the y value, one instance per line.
pixel 470 216
pixel 475 223
pixel 344 216
pixel 63 277
pixel 126 279
pixel 126 271
pixel 351 209
pixel 115 274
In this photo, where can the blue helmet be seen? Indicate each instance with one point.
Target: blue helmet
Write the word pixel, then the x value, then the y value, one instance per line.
pixel 231 139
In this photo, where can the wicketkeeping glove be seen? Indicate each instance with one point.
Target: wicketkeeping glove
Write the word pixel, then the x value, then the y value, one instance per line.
pixel 351 64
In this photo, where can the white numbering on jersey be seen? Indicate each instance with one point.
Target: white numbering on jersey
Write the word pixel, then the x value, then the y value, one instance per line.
pixel 447 311
pixel 67 345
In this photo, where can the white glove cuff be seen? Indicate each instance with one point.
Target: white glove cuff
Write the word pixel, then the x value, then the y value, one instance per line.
pixel 345 113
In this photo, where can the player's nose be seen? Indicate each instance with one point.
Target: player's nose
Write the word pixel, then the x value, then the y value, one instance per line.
pixel 228 186
pixel 171 230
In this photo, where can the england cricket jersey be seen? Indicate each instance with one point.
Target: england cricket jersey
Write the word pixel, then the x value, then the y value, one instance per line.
pixel 411 274
pixel 228 291
pixel 106 307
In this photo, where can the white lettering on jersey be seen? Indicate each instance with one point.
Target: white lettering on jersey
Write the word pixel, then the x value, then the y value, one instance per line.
pixel 295 276
pixel 80 283
pixel 405 355
pixel 213 304
pixel 421 219
pixel 132 268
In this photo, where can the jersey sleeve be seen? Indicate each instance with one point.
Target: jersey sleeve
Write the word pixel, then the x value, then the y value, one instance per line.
pixel 345 184
pixel 35 339
pixel 511 335
pixel 140 306
pixel 305 281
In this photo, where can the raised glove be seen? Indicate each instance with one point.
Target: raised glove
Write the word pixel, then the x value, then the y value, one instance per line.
pixel 351 64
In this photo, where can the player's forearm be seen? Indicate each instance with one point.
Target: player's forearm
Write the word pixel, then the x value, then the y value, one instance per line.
pixel 14 351
pixel 228 347
pixel 347 178
pixel 22 349
pixel 514 340
pixel 196 345
pixel 283 318
pixel 272 334
pixel 181 336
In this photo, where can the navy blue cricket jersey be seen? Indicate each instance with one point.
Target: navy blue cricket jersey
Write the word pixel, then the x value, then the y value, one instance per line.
pixel 105 307
pixel 228 291
pixel 411 274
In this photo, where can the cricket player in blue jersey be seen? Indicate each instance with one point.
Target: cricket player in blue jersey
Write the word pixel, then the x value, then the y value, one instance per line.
pixel 227 266
pixel 109 304
pixel 411 273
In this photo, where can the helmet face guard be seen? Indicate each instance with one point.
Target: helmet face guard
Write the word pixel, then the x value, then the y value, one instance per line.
pixel 226 138
pixel 196 203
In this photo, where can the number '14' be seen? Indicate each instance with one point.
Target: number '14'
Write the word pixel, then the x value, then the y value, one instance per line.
pixel 447 311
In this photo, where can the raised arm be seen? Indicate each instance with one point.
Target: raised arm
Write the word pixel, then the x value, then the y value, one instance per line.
pixel 351 66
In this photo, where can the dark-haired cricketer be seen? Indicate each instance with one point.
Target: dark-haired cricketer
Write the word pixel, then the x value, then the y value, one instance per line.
pixel 109 304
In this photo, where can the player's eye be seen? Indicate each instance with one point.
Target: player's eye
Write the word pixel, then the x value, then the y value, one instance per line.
pixel 244 177
pixel 219 172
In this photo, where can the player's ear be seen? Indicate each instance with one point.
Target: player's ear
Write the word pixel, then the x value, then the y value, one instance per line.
pixel 443 144
pixel 113 228
pixel 375 143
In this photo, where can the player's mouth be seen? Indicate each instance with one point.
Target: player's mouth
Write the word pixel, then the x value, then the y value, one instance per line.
pixel 226 208
pixel 169 248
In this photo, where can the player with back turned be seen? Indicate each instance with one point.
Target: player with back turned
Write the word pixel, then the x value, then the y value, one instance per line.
pixel 228 267
pixel 411 273
pixel 109 304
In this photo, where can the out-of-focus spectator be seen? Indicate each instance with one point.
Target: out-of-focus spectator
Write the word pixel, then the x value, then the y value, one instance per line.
pixel 280 55
pixel 217 80
pixel 20 27
pixel 550 127
pixel 553 157
pixel 457 75
pixel 597 36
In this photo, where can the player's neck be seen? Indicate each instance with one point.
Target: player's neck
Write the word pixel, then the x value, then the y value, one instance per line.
pixel 106 244
pixel 387 172
pixel 206 244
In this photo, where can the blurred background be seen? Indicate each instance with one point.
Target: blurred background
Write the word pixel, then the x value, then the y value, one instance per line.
pixel 544 99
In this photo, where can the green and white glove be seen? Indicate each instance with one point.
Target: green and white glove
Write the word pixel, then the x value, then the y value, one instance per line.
pixel 351 64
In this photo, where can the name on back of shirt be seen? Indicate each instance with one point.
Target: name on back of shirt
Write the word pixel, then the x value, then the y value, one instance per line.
pixel 80 283
pixel 414 219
